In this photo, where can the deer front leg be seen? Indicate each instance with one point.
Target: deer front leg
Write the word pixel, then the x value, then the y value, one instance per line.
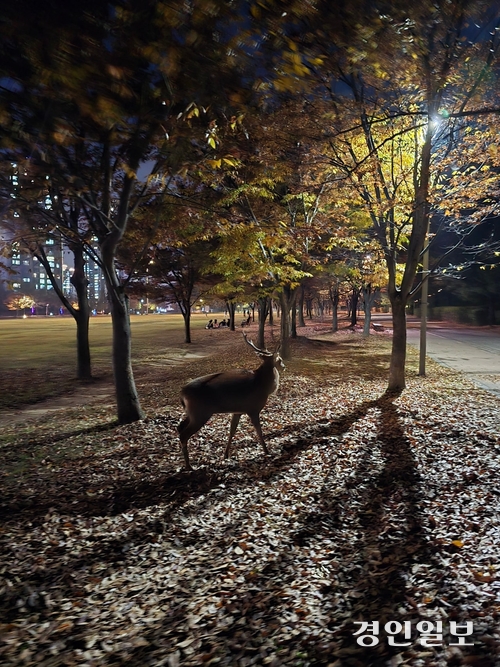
pixel 186 455
pixel 182 425
pixel 235 420
pixel 255 419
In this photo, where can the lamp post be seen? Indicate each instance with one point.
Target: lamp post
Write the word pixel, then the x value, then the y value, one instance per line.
pixel 434 125
pixel 424 302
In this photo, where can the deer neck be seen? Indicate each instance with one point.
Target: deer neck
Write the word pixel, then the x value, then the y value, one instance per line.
pixel 269 376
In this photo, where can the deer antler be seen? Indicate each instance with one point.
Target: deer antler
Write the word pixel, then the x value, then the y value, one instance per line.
pixel 254 347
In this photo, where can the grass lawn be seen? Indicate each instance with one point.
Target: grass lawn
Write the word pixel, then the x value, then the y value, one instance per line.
pixel 369 508
pixel 42 341
pixel 38 355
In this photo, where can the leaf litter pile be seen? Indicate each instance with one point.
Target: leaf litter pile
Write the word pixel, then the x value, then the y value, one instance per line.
pixel 368 509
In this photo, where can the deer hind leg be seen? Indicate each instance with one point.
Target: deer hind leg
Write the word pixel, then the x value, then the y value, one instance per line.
pixel 235 419
pixel 187 428
pixel 255 419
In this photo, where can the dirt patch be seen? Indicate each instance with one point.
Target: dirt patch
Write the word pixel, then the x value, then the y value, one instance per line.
pixel 84 395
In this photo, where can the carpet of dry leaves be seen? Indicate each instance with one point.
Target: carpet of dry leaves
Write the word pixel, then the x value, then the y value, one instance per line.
pixel 369 508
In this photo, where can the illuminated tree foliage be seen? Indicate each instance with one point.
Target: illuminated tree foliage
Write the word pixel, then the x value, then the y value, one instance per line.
pixel 19 302
pixel 390 94
pixel 278 215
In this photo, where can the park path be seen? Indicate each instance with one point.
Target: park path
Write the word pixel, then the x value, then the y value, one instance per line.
pixel 103 393
pixel 473 351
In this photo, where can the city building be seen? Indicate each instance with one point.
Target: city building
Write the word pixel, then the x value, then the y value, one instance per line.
pixel 22 275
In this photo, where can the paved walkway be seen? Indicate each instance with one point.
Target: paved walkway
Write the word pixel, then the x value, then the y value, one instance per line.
pixel 473 351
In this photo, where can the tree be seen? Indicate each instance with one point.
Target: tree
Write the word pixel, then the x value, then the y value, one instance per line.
pixel 378 89
pixel 95 96
pixel 38 214
pixel 167 250
pixel 177 271
pixel 19 301
pixel 275 194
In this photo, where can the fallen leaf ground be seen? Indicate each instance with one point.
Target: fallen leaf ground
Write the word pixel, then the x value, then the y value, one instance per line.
pixel 368 509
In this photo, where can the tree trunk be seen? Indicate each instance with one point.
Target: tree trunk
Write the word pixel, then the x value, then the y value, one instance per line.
pixel 186 314
pixel 334 296
pixel 399 297
pixel 398 353
pixel 84 366
pixel 231 307
pixel 284 328
pixel 287 300
pixel 301 306
pixel 82 315
pixel 369 297
pixel 321 308
pixel 263 306
pixel 309 311
pixel 354 307
pixel 293 325
pixel 271 314
pixel 127 400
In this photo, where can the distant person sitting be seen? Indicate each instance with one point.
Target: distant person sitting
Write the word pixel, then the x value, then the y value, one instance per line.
pixel 216 326
pixel 210 324
pixel 223 323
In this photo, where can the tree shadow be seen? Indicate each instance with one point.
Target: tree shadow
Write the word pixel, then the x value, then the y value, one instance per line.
pixel 64 435
pixel 384 481
pixel 386 548
pixel 391 539
pixel 379 585
pixel 174 488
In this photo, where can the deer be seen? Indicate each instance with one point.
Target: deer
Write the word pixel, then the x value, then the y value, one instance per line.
pixel 237 391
